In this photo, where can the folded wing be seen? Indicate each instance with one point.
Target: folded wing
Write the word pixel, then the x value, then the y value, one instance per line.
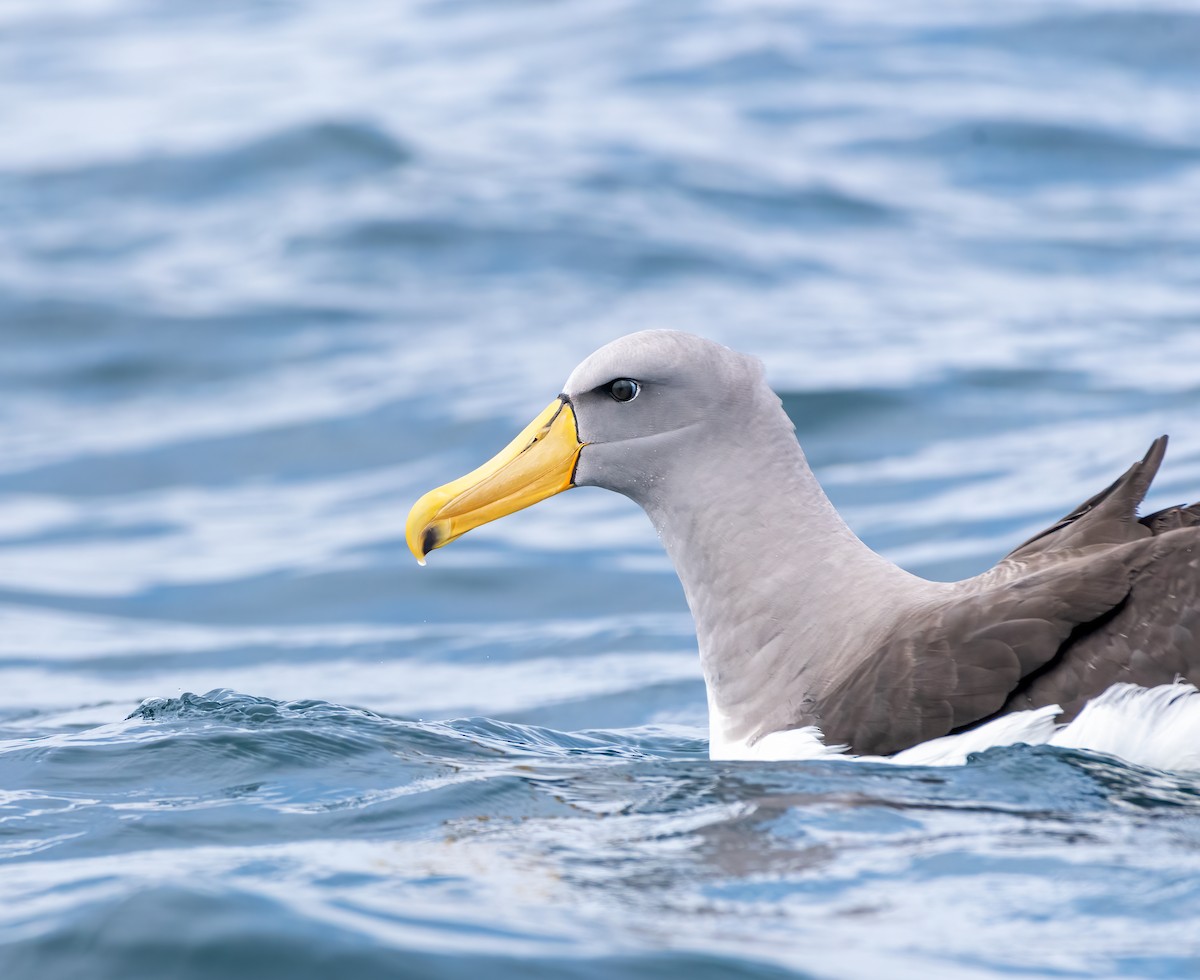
pixel 1099 598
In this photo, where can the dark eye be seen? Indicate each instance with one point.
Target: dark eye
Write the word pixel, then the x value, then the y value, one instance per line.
pixel 624 389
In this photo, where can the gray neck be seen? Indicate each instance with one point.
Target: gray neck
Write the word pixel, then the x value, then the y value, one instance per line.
pixel 785 597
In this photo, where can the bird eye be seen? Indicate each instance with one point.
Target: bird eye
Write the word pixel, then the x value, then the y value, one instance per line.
pixel 624 389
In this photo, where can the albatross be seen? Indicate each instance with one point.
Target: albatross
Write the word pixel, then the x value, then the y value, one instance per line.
pixel 801 627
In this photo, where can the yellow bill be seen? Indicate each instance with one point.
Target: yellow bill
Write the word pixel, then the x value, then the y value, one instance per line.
pixel 537 464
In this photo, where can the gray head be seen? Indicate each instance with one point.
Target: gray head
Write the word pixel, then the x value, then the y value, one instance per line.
pixel 690 396
pixel 637 416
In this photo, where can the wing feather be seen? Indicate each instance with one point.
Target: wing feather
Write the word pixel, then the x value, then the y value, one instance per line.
pixel 1098 598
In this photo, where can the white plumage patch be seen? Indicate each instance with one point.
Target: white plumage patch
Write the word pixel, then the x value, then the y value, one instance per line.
pixel 1157 727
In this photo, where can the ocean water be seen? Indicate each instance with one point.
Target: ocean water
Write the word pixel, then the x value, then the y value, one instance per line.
pixel 270 270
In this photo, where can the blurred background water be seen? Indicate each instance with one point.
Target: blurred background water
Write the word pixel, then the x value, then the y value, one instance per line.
pixel 269 270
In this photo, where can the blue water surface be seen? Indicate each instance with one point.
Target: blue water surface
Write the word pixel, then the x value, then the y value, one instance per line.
pixel 269 270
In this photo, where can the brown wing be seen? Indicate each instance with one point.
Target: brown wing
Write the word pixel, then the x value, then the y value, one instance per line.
pixel 1098 598
pixel 957 662
pixel 1152 637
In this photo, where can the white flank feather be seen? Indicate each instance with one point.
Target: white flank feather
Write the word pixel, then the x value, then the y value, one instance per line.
pixel 1157 727
pixel 1028 727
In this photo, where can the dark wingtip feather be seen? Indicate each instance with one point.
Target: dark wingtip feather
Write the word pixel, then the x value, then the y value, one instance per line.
pixel 1145 471
pixel 1114 507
